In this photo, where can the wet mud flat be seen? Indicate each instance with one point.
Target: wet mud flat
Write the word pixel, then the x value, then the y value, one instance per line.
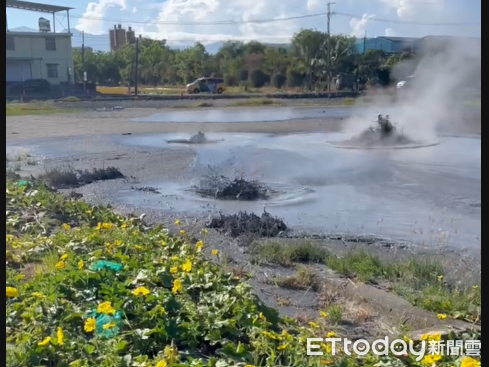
pixel 346 180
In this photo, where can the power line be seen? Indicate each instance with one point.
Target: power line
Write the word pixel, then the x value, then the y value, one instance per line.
pixel 272 20
pixel 404 22
pixel 221 22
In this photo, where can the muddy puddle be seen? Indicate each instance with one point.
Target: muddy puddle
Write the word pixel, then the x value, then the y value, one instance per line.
pixel 430 195
pixel 225 115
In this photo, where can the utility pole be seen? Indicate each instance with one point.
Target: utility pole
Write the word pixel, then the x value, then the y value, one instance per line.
pixel 83 62
pixel 136 63
pixel 328 53
pixel 365 42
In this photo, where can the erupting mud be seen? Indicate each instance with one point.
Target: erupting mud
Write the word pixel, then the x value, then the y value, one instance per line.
pixel 385 135
pixel 198 138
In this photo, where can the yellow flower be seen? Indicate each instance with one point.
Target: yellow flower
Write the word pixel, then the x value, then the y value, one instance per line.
pixel 99 226
pixel 12 292
pixel 283 346
pixel 431 337
pixel 470 362
pixel 440 278
pixel 205 230
pixel 60 265
pixel 187 267
pixel 66 227
pixel 215 252
pixel 406 338
pixel 262 317
pixel 182 232
pixel 64 257
pixel 177 222
pixel 162 310
pixel 90 325
pixel 107 225
pixel 331 334
pixel 106 308
pixel 61 336
pixel 475 287
pixel 141 291
pixel 38 295
pixel 327 347
pixel 442 316
pixel 175 258
pixel 177 286
pixel 81 264
pixel 109 326
pixel 137 247
pixel 323 314
pixel 45 342
pixel 313 325
pixel 163 243
pixel 174 269
pixel 199 245
pixel 124 226
pixel 431 359
pixel 161 364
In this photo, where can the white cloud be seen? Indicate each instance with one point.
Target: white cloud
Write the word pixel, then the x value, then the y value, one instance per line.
pixel 389 32
pixel 359 26
pixel 154 18
pixel 407 9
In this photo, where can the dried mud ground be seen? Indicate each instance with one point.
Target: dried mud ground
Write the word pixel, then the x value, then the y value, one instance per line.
pixel 369 310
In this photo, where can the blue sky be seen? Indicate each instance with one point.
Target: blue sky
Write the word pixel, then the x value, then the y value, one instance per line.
pixel 163 19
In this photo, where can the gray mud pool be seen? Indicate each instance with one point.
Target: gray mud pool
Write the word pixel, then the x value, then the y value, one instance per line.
pixel 430 195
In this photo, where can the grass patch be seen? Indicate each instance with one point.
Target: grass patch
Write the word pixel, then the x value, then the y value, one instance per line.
pixel 303 279
pixel 71 178
pixel 287 255
pixel 107 290
pixel 26 109
pixel 420 281
pixel 256 102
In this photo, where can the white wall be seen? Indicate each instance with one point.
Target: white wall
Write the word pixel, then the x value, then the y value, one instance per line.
pixel 33 46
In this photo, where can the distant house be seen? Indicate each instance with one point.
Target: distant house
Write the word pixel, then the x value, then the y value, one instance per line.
pixel 390 45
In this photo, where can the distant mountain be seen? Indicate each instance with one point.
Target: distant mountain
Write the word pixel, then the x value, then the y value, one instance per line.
pixel 100 42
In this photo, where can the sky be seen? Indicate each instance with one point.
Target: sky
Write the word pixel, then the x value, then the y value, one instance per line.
pixel 178 20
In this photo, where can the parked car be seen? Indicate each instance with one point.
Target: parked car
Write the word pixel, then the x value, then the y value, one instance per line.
pixel 203 85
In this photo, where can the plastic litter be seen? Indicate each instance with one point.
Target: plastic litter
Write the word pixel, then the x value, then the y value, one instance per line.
pixel 104 264
pixel 116 322
pixel 24 183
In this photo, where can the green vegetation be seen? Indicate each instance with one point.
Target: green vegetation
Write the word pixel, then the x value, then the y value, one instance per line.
pixel 247 66
pixel 88 287
pixel 24 109
pixel 420 281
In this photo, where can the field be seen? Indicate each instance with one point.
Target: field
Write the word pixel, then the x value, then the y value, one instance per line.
pixel 175 90
pixel 33 109
pixel 95 285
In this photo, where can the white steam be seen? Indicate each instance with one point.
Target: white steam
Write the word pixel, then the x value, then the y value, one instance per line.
pixel 436 98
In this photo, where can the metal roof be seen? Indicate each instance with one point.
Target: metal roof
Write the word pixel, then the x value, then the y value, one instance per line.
pixel 42 8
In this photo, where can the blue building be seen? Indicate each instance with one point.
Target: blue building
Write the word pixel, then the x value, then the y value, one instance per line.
pixel 390 45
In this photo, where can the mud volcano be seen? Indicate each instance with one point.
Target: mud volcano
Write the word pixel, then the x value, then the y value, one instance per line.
pixel 244 224
pixel 223 188
pixel 382 136
pixel 198 138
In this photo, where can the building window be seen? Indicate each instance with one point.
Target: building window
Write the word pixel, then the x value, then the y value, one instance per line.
pixel 52 70
pixel 10 43
pixel 50 43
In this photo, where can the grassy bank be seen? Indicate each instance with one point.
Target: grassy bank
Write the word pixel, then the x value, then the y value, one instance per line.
pixel 421 281
pixel 33 108
pixel 88 287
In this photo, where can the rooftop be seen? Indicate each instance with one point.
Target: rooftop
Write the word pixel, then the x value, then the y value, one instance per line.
pixel 41 8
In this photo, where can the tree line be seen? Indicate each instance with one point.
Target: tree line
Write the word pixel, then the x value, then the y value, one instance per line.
pixel 303 63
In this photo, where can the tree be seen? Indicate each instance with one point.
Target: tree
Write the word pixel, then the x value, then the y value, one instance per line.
pixel 304 63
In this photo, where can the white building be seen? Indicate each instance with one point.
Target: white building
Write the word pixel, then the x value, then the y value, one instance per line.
pixel 39 55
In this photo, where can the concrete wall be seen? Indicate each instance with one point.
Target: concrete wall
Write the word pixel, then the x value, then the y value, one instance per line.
pixel 31 48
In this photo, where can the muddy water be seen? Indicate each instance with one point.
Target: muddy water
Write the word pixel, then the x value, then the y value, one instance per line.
pixel 247 114
pixel 430 195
